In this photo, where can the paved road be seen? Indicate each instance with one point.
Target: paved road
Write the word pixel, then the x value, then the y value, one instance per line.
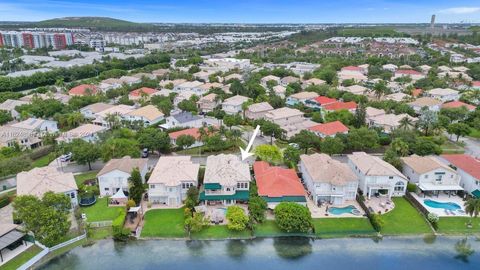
pixel 472 146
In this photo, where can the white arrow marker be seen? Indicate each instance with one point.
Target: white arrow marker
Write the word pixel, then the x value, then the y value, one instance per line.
pixel 246 153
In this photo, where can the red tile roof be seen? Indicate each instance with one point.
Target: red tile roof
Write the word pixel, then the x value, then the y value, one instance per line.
pixel 276 181
pixel 189 131
pixel 467 163
pixel 458 104
pixel 81 90
pixel 408 72
pixel 417 92
pixel 145 90
pixel 352 68
pixel 322 100
pixel 476 83
pixel 331 128
pixel 341 106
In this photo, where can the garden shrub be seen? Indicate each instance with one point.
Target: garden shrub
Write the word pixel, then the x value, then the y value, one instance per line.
pixel 377 221
pixel 411 187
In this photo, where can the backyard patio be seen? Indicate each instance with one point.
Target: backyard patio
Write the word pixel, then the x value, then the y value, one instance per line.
pixel 379 204
pixel 336 211
pixel 443 205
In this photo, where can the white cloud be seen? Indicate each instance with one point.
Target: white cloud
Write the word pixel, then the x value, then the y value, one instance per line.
pixel 460 10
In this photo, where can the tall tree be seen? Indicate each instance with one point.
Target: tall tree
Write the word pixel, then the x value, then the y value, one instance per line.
pixel 85 152
pixel 306 139
pixel 137 188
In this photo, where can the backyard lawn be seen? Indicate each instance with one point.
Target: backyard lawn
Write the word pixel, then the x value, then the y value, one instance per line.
pixel 21 258
pixel 475 133
pixel 80 178
pixel 164 223
pixel 338 227
pixel 268 228
pixel 220 232
pixel 404 219
pixel 43 161
pixel 458 225
pixel 100 211
pixel 452 148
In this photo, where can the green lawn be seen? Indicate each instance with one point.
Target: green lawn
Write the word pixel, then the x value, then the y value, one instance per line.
pixel 21 258
pixel 404 219
pixel 164 223
pixel 452 148
pixel 475 133
pixel 342 227
pixel 43 161
pixel 100 211
pixel 458 225
pixel 220 232
pixel 268 228
pixel 80 178
pixel 101 233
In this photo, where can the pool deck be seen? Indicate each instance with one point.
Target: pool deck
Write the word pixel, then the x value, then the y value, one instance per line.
pixel 380 205
pixel 444 199
pixel 321 212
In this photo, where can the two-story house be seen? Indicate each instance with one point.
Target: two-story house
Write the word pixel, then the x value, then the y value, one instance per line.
pixel 148 115
pixel 377 177
pixel 277 184
pixel 207 103
pixel 114 175
pixel 183 119
pixel 430 175
pixel 444 94
pixel 290 120
pixel 468 168
pixel 233 105
pixel 170 180
pixel 91 110
pixel 301 97
pixel 227 180
pixel 328 180
pixel 258 110
pixel 39 181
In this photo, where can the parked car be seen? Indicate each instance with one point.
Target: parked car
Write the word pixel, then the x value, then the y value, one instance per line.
pixel 145 153
pixel 294 145
pixel 66 158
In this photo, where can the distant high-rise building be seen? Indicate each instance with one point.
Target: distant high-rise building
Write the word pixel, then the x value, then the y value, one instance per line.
pixel 33 40
pixel 432 22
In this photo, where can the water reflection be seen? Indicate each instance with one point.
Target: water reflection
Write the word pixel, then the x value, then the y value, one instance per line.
pixel 464 250
pixel 430 239
pixel 236 249
pixel 292 247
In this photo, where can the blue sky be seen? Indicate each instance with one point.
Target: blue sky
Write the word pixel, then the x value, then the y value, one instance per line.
pixel 248 11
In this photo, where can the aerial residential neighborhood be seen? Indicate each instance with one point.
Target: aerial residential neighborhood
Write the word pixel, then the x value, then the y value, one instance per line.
pixel 133 144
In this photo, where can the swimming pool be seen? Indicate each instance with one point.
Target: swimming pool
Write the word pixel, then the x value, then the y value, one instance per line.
pixel 445 205
pixel 343 210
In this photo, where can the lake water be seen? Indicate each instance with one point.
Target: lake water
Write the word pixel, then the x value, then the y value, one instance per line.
pixel 277 254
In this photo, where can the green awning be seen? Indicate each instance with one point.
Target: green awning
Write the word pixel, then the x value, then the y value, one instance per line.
pixel 212 186
pixel 476 193
pixel 240 195
pixel 284 199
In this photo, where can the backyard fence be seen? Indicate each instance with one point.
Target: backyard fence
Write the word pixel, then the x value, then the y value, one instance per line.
pixel 416 203
pixel 30 263
pixel 71 241
pixel 100 224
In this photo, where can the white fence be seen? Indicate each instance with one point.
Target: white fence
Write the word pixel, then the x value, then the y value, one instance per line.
pixel 66 243
pixel 47 250
pixel 100 224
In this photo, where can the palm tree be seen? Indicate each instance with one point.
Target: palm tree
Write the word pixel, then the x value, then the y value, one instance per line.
pixel 472 207
pixel 405 123
pixel 235 134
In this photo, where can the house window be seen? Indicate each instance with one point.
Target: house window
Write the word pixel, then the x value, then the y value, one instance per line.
pixel 152 186
pixel 107 189
pixel 390 177
pixel 228 189
pixel 72 195
pixel 426 176
pixel 399 186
